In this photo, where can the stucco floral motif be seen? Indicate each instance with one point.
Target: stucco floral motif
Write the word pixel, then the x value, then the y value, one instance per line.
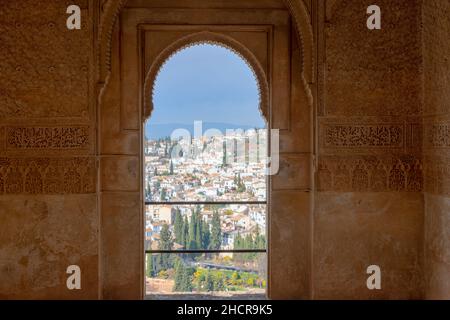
pixel 370 173
pixel 363 136
pixel 44 67
pixel 47 175
pixel 73 137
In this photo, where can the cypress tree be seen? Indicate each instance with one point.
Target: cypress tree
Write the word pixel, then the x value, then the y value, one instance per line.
pixel 187 279
pixel 238 241
pixel 163 194
pixel 171 168
pixel 216 232
pixel 209 282
pixel 149 269
pixel 179 274
pixel 165 243
pixel 185 233
pixel 224 158
pixel 198 232
pixel 206 236
pixel 192 229
pixel 178 227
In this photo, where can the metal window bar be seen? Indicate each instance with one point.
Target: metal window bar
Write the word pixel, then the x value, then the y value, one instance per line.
pixel 209 251
pixel 208 203
pixel 174 203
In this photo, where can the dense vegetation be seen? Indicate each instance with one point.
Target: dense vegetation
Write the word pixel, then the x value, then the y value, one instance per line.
pixel 184 269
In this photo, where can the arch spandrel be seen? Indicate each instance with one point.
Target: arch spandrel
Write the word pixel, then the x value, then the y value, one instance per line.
pixel 297 9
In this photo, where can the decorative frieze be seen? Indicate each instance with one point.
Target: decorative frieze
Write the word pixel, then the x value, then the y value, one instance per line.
pixel 370 174
pixel 437 135
pixel 64 138
pixel 47 175
pixel 45 69
pixel 437 174
pixel 366 136
pixel 362 136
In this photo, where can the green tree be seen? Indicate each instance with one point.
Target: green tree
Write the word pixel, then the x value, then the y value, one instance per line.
pixel 165 243
pixel 185 233
pixel 198 229
pixel 171 168
pixel 238 242
pixel 216 232
pixel 179 274
pixel 219 281
pixel 149 266
pixel 183 277
pixel 209 282
pixel 235 277
pixel 224 157
pixel 148 190
pixel 239 184
pixel 260 240
pixel 178 227
pixel 187 279
pixel 206 235
pixel 163 194
pixel 192 231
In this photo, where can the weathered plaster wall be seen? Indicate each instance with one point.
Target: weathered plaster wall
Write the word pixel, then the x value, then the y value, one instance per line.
pixel 369 208
pixel 436 140
pixel 48 202
pixel 383 142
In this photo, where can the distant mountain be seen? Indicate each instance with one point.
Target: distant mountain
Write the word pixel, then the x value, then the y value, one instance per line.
pixel 157 131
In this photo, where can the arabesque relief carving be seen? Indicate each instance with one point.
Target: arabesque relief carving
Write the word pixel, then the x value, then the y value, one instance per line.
pixel 47 175
pixel 350 136
pixel 370 174
pixel 41 74
pixel 437 135
pixel 24 138
pixel 437 173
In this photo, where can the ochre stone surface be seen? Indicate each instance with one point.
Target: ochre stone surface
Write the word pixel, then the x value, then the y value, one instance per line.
pixel 48 173
pixel 121 242
pixel 365 143
pixel 355 230
pixel 372 167
pixel 41 75
pixel 40 236
pixel 436 141
pixel 373 73
pixel 437 247
pixel 290 263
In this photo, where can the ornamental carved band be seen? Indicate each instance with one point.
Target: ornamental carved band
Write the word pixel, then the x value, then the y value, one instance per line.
pixel 437 135
pixel 41 75
pixel 437 172
pixel 364 136
pixel 370 173
pixel 47 175
pixel 47 138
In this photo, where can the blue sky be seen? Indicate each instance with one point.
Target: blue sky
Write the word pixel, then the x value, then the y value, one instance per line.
pixel 208 83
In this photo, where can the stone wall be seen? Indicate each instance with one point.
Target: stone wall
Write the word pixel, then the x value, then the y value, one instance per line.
pixel 382 182
pixel 436 141
pixel 369 205
pixel 48 201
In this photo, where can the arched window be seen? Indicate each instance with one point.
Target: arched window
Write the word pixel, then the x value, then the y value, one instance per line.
pixel 205 177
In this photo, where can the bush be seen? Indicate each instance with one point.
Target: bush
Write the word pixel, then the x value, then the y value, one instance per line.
pixel 163 274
